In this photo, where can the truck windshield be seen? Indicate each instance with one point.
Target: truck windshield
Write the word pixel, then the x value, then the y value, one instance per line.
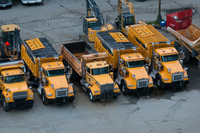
pixel 99 71
pixel 132 64
pixel 14 78
pixel 170 58
pixel 57 72
pixel 92 24
pixel 129 20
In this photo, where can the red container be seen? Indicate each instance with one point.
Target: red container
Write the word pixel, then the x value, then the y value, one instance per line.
pixel 179 20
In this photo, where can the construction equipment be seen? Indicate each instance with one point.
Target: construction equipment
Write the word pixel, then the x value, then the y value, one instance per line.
pixel 93 69
pixel 166 68
pixel 14 90
pixel 127 64
pixel 93 23
pixel 43 63
pixel 10 42
pixel 188 41
pixel 125 19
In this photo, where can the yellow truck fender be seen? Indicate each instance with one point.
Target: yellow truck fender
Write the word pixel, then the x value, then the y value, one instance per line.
pixel 50 92
pixel 94 89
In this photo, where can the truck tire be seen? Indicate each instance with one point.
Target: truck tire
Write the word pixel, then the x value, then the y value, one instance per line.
pixel 2 52
pixel 176 44
pixel 187 54
pixel 159 82
pixel 124 88
pixel 5 105
pixel 91 97
pixel 44 98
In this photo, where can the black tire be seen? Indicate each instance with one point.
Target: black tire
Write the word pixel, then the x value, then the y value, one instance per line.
pixel 3 54
pixel 115 97
pixel 176 44
pixel 91 97
pixel 44 98
pixel 159 82
pixel 187 54
pixel 124 88
pixel 5 105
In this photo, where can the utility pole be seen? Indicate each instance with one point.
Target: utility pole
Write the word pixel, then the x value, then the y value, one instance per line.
pixel 159 17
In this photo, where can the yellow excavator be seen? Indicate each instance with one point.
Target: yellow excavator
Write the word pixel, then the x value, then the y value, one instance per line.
pixel 125 19
pixel 93 22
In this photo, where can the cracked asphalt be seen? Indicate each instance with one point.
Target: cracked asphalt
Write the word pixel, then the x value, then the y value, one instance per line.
pixel 60 21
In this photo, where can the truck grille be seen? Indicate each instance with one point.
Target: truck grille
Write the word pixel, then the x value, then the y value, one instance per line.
pixel 20 95
pixel 107 87
pixel 177 77
pixel 61 92
pixel 141 83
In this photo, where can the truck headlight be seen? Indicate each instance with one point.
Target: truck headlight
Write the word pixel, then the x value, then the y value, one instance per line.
pixel 70 92
pixel 96 91
pixel 130 85
pixel 8 98
pixel 52 86
pixel 31 96
pixel 166 79
pixel 115 88
pixel 186 76
pixel 169 70
pixel 133 76
pixel 50 95
pixel 150 83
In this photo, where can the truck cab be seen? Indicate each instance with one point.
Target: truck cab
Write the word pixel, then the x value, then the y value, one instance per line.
pixel 133 76
pixel 169 69
pixel 10 41
pixel 55 87
pixel 14 89
pixel 101 81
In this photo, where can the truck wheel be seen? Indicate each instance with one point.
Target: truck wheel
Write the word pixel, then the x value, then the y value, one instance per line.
pixel 124 88
pixel 44 99
pixel 176 44
pixel 91 97
pixel 159 82
pixel 5 105
pixel 2 52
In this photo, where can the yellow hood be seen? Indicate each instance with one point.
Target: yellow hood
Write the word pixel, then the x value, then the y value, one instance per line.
pixel 175 66
pixel 58 81
pixel 17 87
pixel 139 72
pixel 103 79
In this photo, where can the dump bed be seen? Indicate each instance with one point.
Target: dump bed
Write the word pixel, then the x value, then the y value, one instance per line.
pixel 190 36
pixel 73 52
pixel 36 51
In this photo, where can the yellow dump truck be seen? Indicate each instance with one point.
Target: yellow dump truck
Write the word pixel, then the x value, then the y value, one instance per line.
pixel 45 65
pixel 93 69
pixel 10 42
pixel 166 68
pixel 127 64
pixel 188 41
pixel 14 90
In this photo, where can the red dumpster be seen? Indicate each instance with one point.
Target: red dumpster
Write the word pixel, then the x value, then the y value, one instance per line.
pixel 179 20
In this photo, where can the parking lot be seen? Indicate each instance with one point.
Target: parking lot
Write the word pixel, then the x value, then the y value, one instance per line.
pixel 60 21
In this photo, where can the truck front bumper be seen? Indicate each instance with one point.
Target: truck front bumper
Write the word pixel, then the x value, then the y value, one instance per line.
pixel 141 91
pixel 107 95
pixel 61 100
pixel 21 104
pixel 176 85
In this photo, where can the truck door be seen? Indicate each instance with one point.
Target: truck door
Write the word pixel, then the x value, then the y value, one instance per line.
pixel 85 26
pixel 88 76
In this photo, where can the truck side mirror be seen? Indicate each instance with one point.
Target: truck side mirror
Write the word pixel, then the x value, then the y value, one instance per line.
pixel 181 55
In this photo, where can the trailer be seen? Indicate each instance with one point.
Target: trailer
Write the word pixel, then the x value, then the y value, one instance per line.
pixel 93 69
pixel 188 41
